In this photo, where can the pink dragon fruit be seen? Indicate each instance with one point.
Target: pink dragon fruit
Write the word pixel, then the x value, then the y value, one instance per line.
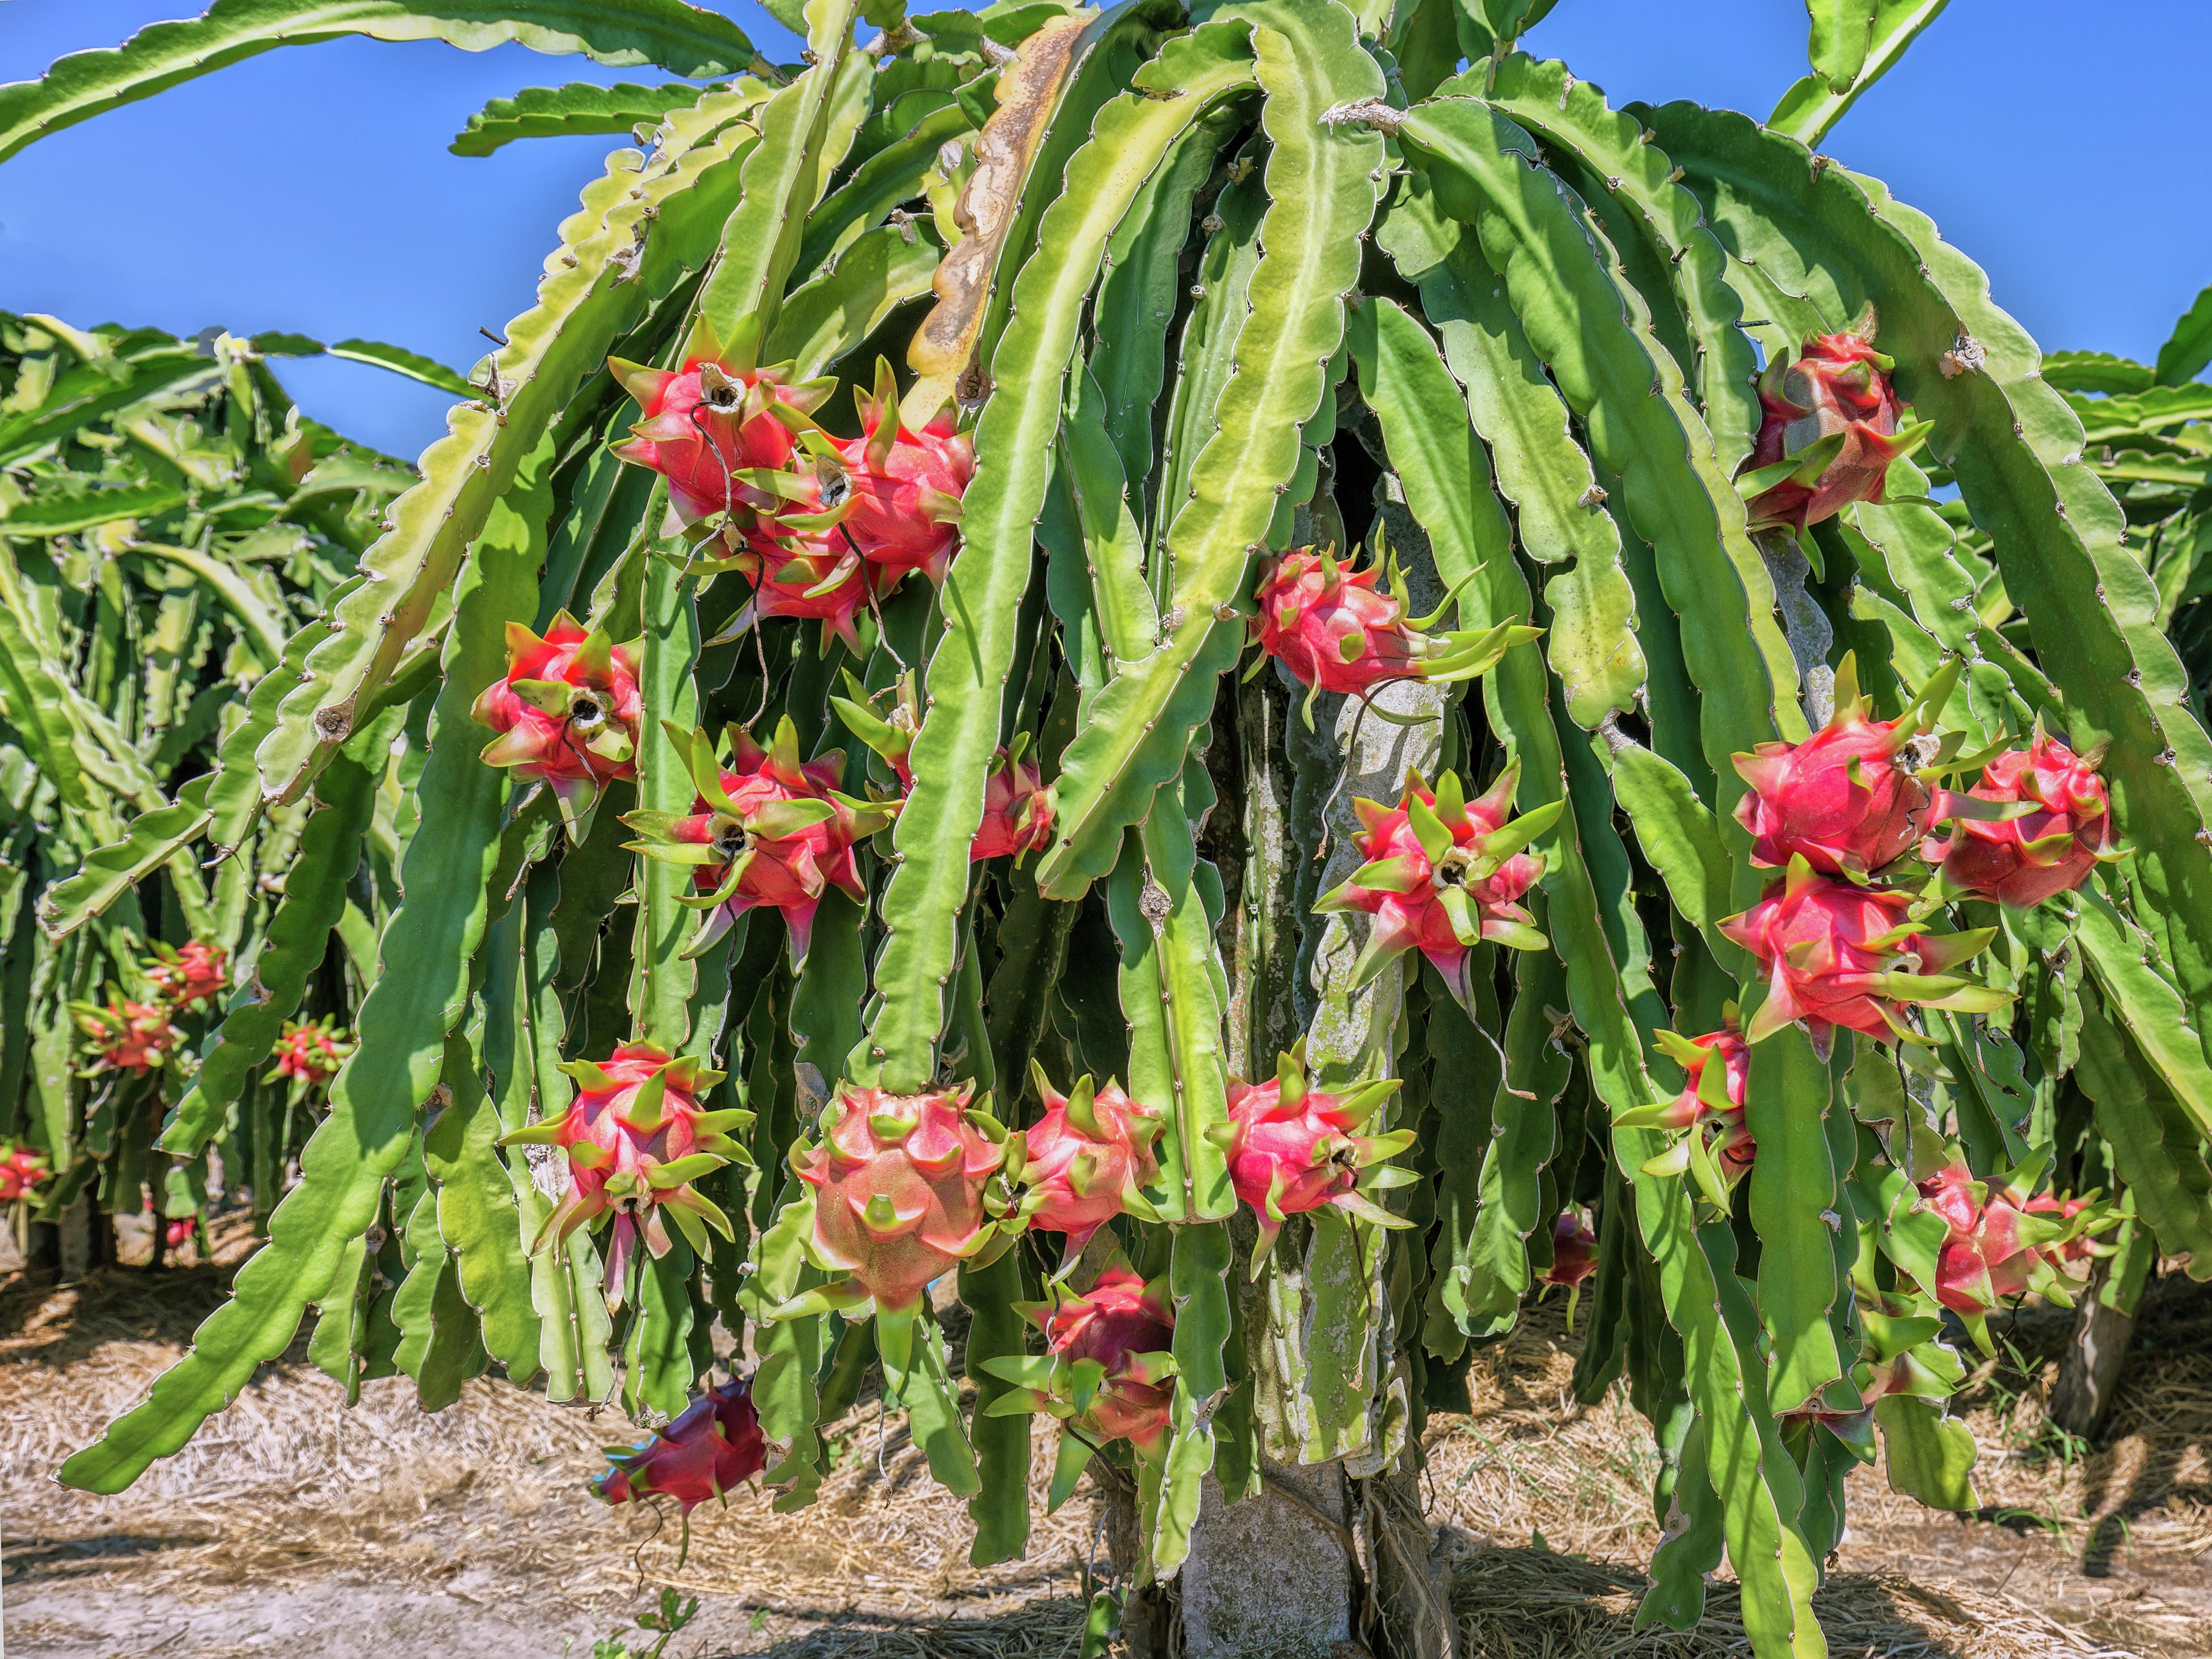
pixel 194 975
pixel 712 425
pixel 2062 830
pixel 772 833
pixel 1085 1159
pixel 906 1188
pixel 1840 799
pixel 567 712
pixel 1719 1149
pixel 21 1170
pixel 711 1445
pixel 1998 1246
pixel 1108 1372
pixel 1335 631
pixel 1831 425
pixel 1291 1150
pixel 1836 954
pixel 636 1138
pixel 1018 804
pixel 2077 1247
pixel 127 1037
pixel 1442 874
pixel 310 1052
pixel 180 1232
pixel 902 506
pixel 801 562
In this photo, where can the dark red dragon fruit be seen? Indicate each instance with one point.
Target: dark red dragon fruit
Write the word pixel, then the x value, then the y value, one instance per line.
pixel 1085 1160
pixel 905 1189
pixel 310 1052
pixel 22 1169
pixel 902 489
pixel 1292 1149
pixel 1840 799
pixel 1442 874
pixel 195 973
pixel 636 1138
pixel 717 420
pixel 1830 424
pixel 1108 1371
pixel 1837 954
pixel 567 712
pixel 2057 828
pixel 712 1446
pixel 1997 1244
pixel 773 832
pixel 126 1036
pixel 1018 804
pixel 1719 1149
pixel 1336 631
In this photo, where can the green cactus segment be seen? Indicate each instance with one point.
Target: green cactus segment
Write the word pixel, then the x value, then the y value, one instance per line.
pixel 658 1366
pixel 442 1342
pixel 932 1400
pixel 667 978
pixel 827 1003
pixel 2156 1151
pixel 830 316
pixel 1127 618
pixel 1465 1075
pixel 1798 1212
pixel 1811 108
pixel 1572 116
pixel 1591 329
pixel 477 1214
pixel 982 597
pixel 792 1351
pixel 577 109
pixel 1190 988
pixel 2140 997
pixel 1321 188
pixel 151 841
pixel 1522 1140
pixel 679 205
pixel 1198 1279
pixel 420 996
pixel 898 173
pixel 680 37
pixel 1681 840
pixel 298 937
pixel 1000 1507
pixel 802 139
pixel 2016 449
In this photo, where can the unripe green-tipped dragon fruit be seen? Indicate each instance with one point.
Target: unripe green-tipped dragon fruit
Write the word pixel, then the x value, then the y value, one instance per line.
pixel 1717 1148
pixel 1335 631
pixel 1107 1373
pixel 126 1036
pixel 901 506
pixel 904 1188
pixel 1831 425
pixel 636 1138
pixel 567 712
pixel 1291 1149
pixel 773 832
pixel 1837 954
pixel 1442 874
pixel 2058 827
pixel 193 975
pixel 1085 1160
pixel 1840 800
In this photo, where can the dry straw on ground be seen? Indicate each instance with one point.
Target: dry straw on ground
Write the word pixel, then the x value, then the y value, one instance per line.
pixel 293 1525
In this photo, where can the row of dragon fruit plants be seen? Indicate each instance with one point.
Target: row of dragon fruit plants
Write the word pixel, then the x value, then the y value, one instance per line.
pixel 1653 845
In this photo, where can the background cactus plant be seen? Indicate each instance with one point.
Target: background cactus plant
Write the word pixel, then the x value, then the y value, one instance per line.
pixel 1179 295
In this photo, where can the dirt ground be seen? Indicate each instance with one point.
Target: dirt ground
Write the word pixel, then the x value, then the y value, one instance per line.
pixel 294 1528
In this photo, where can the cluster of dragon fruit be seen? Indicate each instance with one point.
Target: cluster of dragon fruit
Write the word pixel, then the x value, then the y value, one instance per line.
pixel 1871 828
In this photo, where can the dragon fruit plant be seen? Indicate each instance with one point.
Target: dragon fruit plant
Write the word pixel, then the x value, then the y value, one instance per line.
pixel 1724 855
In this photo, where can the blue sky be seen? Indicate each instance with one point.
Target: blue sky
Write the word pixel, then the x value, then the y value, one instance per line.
pixel 310 188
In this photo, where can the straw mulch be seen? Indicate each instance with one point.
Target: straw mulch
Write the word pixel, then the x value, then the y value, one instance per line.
pixel 292 1526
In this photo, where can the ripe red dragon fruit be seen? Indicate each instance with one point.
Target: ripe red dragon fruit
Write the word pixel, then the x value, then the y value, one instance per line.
pixel 1837 954
pixel 127 1037
pixel 902 506
pixel 773 832
pixel 711 1445
pixel 180 1232
pixel 21 1170
pixel 1291 1149
pixel 714 421
pixel 1719 1149
pixel 635 1139
pixel 1108 1372
pixel 906 1188
pixel 1831 425
pixel 567 712
pixel 1998 1246
pixel 1018 804
pixel 310 1052
pixel 1442 874
pixel 1840 799
pixel 2062 830
pixel 2076 1247
pixel 1335 631
pixel 1899 1354
pixel 195 974
pixel 1085 1159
